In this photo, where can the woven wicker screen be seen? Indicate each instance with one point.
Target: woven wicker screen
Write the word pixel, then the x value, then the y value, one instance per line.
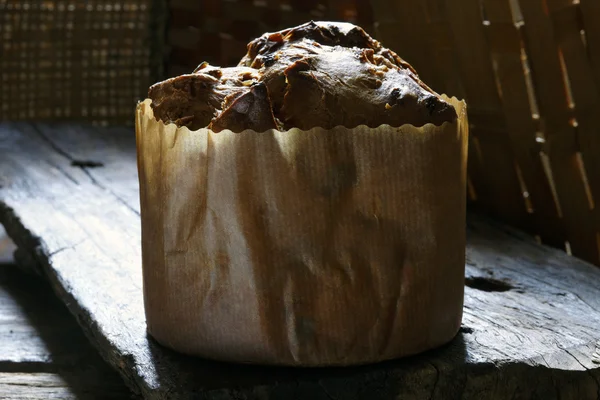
pixel 530 70
pixel 77 59
pixel 217 31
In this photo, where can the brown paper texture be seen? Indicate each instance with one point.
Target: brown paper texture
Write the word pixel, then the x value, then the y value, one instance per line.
pixel 321 247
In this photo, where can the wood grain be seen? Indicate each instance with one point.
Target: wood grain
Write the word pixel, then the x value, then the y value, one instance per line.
pixel 530 74
pixel 506 50
pixel 586 97
pixel 560 139
pixel 531 313
pixel 43 353
pixel 44 385
pixel 34 386
pixel 31 334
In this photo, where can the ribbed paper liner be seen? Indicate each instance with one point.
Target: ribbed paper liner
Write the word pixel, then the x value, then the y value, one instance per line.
pixel 320 247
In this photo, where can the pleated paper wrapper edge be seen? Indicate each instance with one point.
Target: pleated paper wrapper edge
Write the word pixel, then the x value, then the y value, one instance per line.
pixel 305 248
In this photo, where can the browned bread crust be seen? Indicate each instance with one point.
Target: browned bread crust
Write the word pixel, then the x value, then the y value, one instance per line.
pixel 319 74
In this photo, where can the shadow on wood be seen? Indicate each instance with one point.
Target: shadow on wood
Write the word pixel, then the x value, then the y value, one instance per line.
pixel 38 335
pixel 376 381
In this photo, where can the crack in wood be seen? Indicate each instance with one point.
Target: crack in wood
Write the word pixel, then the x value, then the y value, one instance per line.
pixel 61 249
pixel 63 171
pixel 587 370
pixel 101 186
pixel 49 142
pixel 84 165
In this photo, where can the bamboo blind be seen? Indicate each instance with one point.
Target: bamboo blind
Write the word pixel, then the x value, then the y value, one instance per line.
pixel 530 71
pixel 217 31
pixel 77 59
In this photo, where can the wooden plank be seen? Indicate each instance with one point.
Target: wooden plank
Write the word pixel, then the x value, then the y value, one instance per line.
pixel 477 73
pixel 529 329
pixel 109 170
pixel 44 385
pixel 586 96
pixel 35 328
pixel 560 146
pixel 34 386
pixel 42 349
pixel 505 46
pixel 43 353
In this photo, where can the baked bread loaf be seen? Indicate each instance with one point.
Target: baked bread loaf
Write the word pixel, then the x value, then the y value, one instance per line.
pixel 319 74
pixel 324 236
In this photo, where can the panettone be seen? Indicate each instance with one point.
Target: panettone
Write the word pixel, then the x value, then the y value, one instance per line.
pixel 320 74
pixel 306 207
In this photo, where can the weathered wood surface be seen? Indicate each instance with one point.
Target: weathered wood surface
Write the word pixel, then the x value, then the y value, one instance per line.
pixel 532 314
pixel 44 385
pixel 43 353
pixel 17 385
